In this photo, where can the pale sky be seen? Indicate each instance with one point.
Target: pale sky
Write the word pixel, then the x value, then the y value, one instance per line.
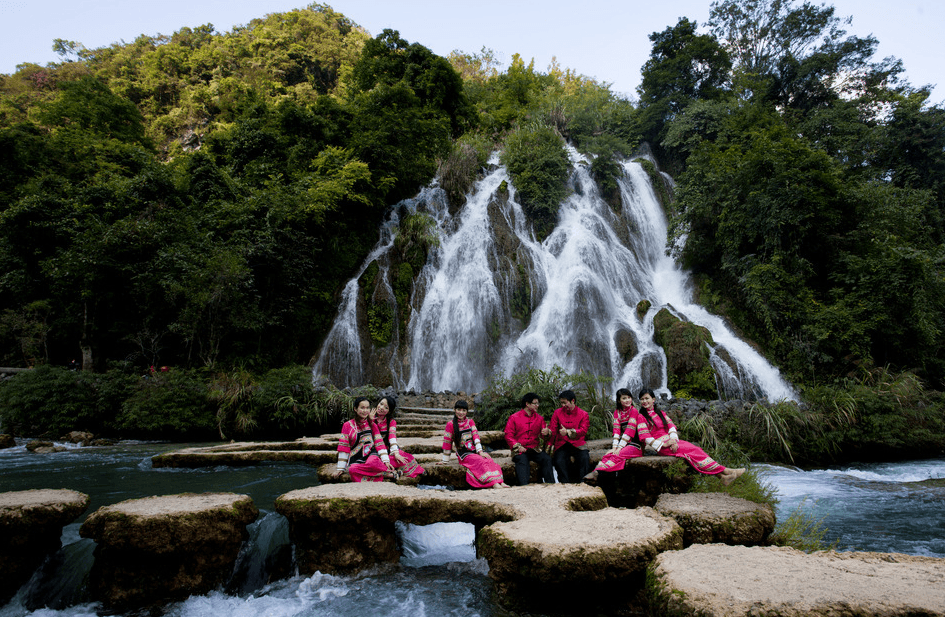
pixel 604 39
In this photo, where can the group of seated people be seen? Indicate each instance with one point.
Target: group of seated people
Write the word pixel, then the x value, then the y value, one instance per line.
pixel 368 448
pixel 634 432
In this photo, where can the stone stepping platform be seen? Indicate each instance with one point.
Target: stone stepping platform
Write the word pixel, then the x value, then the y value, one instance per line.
pixel 161 549
pixel 708 518
pixel 310 450
pixel 31 525
pixel 538 539
pixel 717 580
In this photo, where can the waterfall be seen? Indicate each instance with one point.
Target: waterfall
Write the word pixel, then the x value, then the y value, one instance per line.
pixel 494 299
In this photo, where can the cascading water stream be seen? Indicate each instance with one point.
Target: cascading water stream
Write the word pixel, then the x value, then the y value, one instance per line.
pixel 580 288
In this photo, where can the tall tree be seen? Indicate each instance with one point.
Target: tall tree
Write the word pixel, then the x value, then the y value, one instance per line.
pixel 683 67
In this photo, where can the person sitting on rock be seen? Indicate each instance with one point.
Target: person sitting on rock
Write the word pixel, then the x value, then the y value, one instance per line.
pixel 361 450
pixel 569 426
pixel 461 435
pixel 659 433
pixel 403 462
pixel 524 433
pixel 626 445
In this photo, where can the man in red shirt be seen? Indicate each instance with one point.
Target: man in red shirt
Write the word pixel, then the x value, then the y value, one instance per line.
pixel 524 433
pixel 569 426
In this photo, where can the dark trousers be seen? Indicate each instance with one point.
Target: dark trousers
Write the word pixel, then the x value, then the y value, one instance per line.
pixel 522 471
pixel 562 458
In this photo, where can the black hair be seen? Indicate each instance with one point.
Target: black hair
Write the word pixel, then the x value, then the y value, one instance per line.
pixel 460 404
pixel 645 413
pixel 529 397
pixel 622 392
pixel 567 395
pixel 357 402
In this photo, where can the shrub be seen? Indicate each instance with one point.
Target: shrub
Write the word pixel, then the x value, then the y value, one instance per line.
pixel 539 167
pixel 173 405
pixel 50 401
pixel 460 169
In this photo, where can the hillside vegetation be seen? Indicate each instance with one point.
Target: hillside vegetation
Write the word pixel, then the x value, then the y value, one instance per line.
pixel 199 199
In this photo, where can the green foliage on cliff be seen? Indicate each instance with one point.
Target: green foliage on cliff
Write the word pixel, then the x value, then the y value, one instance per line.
pixel 539 168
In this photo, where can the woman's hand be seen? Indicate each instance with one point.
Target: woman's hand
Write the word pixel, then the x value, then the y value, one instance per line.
pixel 389 467
pixel 400 458
pixel 673 445
pixel 338 473
pixel 484 453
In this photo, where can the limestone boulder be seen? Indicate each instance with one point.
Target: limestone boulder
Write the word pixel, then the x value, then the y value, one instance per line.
pixel 718 580
pixel 31 525
pixel 708 518
pixel 79 437
pixel 161 549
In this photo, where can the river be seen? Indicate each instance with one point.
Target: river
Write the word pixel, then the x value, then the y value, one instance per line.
pixel 891 507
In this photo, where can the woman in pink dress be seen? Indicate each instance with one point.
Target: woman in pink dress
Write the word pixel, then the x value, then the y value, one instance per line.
pixel 461 435
pixel 626 445
pixel 659 432
pixel 403 462
pixel 361 450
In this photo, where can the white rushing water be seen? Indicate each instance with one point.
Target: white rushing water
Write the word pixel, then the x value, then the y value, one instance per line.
pixel 584 282
pixel 884 507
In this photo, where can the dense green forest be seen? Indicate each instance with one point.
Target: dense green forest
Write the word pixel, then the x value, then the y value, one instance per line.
pixel 199 200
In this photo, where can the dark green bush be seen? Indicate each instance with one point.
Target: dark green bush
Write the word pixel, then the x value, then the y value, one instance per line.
pixel 173 405
pixel 539 167
pixel 50 401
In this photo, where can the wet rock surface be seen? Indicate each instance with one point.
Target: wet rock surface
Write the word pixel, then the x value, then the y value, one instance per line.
pixel 160 549
pixel 31 525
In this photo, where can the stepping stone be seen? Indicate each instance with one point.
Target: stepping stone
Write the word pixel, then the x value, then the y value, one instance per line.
pixel 162 549
pixel 538 539
pixel 31 525
pixel 707 518
pixel 716 580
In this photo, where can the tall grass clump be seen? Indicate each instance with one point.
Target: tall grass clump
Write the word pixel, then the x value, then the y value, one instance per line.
pixel 801 530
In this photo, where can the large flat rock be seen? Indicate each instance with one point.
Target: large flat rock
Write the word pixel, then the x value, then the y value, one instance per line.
pixel 31 525
pixel 717 580
pixel 708 518
pixel 160 549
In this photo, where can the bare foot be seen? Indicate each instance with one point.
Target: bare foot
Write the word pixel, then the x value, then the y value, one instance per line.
pixel 591 478
pixel 729 475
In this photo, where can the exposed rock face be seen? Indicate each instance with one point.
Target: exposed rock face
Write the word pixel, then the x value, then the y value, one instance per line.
pixel 161 549
pixel 717 580
pixel 536 538
pixel 31 525
pixel 708 518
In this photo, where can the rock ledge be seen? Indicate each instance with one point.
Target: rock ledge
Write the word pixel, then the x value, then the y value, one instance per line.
pixel 717 580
